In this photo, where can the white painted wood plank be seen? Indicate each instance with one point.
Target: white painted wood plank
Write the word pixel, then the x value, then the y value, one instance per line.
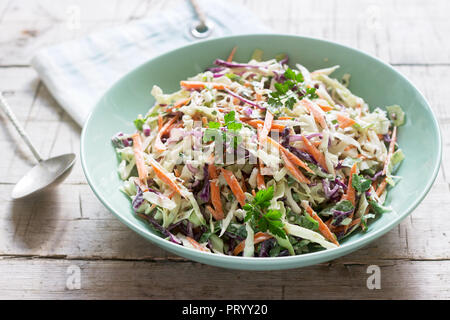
pixel 47 279
pixel 398 31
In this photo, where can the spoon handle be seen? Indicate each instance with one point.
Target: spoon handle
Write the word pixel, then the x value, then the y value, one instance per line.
pixel 18 127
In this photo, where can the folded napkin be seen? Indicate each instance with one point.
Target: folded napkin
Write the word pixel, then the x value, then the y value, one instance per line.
pixel 77 73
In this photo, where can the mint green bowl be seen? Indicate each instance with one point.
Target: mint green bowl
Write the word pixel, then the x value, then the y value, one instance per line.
pixel 378 83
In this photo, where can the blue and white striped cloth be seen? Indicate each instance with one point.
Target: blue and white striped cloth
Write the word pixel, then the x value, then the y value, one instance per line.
pixel 77 73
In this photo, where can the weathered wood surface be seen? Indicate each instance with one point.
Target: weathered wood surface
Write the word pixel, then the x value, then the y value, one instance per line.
pixel 42 236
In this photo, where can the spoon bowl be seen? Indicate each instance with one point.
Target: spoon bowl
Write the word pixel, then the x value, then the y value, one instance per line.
pixel 43 175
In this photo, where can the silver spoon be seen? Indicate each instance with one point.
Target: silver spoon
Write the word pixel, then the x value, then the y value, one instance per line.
pixel 203 28
pixel 45 172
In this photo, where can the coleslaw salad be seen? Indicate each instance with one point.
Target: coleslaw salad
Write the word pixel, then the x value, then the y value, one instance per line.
pixel 258 159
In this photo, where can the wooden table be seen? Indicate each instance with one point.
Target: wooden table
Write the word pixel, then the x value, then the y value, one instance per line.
pixel 46 241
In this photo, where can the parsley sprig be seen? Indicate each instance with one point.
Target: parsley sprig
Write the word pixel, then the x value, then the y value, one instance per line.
pixel 259 215
pixel 291 90
pixel 214 130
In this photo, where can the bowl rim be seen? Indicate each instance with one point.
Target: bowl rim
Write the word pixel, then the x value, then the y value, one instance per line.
pixel 266 263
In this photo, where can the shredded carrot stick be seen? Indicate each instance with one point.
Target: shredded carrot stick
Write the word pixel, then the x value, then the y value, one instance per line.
pixel 179 104
pixel 292 157
pixel 194 85
pixel 285 118
pixel 345 121
pixel 138 156
pixel 234 186
pixel 315 111
pixel 354 222
pixel 253 192
pixel 211 210
pixel 159 146
pixel 391 150
pixel 160 122
pixel 176 172
pixel 215 192
pixel 381 187
pixel 258 238
pixel 205 121
pixel 196 245
pixel 260 180
pixel 351 194
pixel 350 147
pixel 163 176
pixel 170 196
pixel 214 213
pixel 255 122
pixel 266 128
pixel 323 228
pixel 325 107
pixel 361 156
pixel 258 97
pixel 297 174
pixel 315 153
pixel 230 57
pixel 243 186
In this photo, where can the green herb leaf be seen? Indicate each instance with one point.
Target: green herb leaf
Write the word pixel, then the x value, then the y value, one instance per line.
pixel 290 74
pixel 270 220
pixel 263 197
pixel 139 122
pixel 343 205
pixel 299 77
pixel 290 103
pixel 306 221
pixel 234 77
pixel 396 115
pixel 211 135
pixel 378 208
pixel 287 93
pixel 214 125
pixel 231 116
pixel 311 93
pixel 360 183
